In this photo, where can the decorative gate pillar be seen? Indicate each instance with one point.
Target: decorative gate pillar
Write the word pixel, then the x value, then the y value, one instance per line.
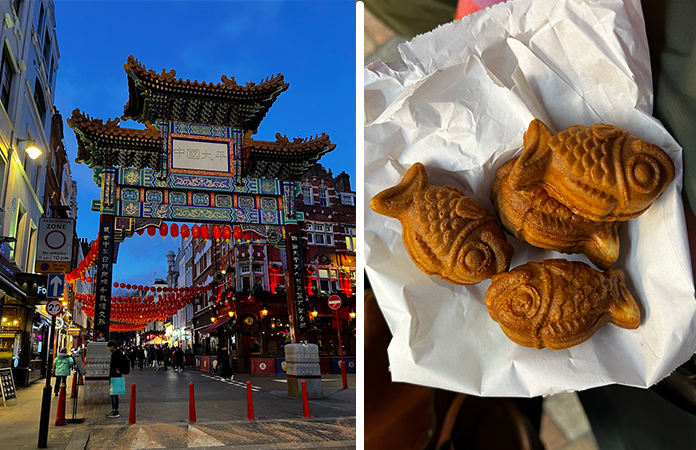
pixel 98 355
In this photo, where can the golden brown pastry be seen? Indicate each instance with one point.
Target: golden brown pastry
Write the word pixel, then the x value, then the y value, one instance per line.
pixel 600 172
pixel 445 232
pixel 533 216
pixel 559 303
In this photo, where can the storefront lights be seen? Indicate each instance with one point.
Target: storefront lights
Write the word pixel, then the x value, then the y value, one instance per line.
pixel 264 312
pixel 231 313
pixel 352 314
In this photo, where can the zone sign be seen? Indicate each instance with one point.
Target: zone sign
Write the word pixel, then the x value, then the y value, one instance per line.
pixel 54 307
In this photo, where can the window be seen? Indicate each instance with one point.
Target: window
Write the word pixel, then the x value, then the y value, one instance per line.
pixel 42 18
pixel 323 196
pixel 310 238
pixel 7 72
pixel 347 199
pixel 244 269
pixel 307 194
pixel 350 238
pixel 46 48
pixel 322 233
pixel 39 99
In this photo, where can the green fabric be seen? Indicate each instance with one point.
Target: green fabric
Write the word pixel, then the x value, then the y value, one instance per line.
pixel 671 35
pixel 409 18
pixel 63 365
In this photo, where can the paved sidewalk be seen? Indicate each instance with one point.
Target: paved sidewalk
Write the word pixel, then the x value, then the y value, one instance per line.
pixel 162 416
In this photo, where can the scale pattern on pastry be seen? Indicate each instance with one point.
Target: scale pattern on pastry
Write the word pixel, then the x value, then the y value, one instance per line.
pixel 559 303
pixel 445 232
pixel 535 217
pixel 600 172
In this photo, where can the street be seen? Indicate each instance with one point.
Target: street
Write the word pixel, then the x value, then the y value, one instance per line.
pixel 162 415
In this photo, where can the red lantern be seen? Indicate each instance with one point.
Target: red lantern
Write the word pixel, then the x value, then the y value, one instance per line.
pixel 195 232
pixel 151 231
pixel 122 285
pixel 247 236
pixel 140 287
pixel 115 285
pixel 205 232
pixel 174 230
pixel 217 233
pixel 128 286
pixel 163 230
pixel 185 231
pixel 140 232
pixel 238 233
pixel 89 279
pixel 226 233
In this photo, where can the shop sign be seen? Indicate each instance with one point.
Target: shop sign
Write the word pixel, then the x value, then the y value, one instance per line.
pixel 54 245
pixel 73 331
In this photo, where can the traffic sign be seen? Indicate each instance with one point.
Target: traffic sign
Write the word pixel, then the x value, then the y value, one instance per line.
pixel 55 285
pixel 334 302
pixel 54 307
pixel 54 245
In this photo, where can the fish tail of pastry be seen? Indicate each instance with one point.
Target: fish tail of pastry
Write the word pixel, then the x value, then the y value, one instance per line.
pixel 531 166
pixel 393 201
pixel 624 310
pixel 604 246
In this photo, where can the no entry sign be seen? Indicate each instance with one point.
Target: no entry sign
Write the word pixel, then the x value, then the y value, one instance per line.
pixel 334 302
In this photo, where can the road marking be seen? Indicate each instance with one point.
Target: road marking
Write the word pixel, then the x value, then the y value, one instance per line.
pixel 233 382
pixel 142 441
pixel 197 438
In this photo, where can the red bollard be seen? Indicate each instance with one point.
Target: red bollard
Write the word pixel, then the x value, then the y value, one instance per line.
pixel 60 412
pixel 192 404
pixel 305 402
pixel 131 414
pixel 73 392
pixel 343 375
pixel 250 403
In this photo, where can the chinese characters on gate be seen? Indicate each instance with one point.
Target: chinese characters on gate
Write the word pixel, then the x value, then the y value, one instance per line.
pixel 103 292
pixel 297 278
pixel 209 156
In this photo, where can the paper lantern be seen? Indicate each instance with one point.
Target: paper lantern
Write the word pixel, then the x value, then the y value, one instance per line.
pixel 163 230
pixel 238 233
pixel 247 236
pixel 140 232
pixel 89 279
pixel 217 233
pixel 205 232
pixel 122 285
pixel 185 231
pixel 195 232
pixel 140 287
pixel 115 285
pixel 128 286
pixel 174 230
pixel 226 233
pixel 151 231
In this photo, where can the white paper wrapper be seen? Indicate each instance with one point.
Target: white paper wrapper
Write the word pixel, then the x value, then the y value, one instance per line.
pixel 460 106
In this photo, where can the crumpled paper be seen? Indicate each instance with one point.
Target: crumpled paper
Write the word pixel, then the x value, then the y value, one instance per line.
pixel 460 105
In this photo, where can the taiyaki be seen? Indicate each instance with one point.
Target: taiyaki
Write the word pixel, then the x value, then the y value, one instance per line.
pixel 445 232
pixel 600 172
pixel 559 303
pixel 533 216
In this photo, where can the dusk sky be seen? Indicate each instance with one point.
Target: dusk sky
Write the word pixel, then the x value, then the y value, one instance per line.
pixel 311 43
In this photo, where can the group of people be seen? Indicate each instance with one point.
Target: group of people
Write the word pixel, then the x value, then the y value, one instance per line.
pixel 160 357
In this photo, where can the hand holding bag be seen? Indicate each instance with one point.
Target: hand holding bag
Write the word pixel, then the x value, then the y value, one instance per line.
pixel 118 386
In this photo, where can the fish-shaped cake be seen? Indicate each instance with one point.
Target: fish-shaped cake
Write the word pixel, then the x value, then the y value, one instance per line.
pixel 600 172
pixel 558 303
pixel 535 217
pixel 445 232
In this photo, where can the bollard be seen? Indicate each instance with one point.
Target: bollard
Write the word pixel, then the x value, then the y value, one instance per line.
pixel 73 391
pixel 192 404
pixel 131 414
pixel 60 411
pixel 250 403
pixel 344 375
pixel 305 402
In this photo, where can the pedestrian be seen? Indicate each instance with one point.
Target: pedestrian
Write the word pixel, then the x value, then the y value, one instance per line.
pixel 151 354
pixel 141 357
pixel 224 368
pixel 132 355
pixel 160 357
pixel 118 360
pixel 167 354
pixel 178 359
pixel 61 369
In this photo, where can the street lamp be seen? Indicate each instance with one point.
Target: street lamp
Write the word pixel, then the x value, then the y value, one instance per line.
pixel 32 149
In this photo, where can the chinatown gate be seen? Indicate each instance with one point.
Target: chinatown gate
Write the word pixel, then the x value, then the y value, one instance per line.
pixel 195 162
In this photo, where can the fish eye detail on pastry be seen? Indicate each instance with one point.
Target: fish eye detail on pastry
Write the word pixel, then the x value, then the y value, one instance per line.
pixel 643 173
pixel 445 232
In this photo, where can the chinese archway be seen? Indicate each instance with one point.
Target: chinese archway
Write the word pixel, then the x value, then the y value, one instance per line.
pixel 195 161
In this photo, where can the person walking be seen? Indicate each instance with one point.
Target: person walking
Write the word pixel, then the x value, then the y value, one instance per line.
pixel 118 360
pixel 141 357
pixel 132 355
pixel 160 357
pixel 151 353
pixel 224 368
pixel 61 369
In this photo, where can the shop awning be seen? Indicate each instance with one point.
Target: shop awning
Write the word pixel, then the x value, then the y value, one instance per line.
pixel 216 324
